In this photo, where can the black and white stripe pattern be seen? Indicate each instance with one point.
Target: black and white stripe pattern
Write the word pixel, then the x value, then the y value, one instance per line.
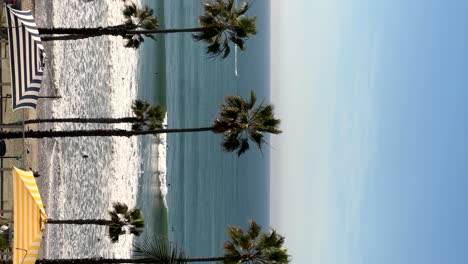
pixel 26 58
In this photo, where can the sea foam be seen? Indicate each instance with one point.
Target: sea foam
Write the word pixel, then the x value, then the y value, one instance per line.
pixel 96 77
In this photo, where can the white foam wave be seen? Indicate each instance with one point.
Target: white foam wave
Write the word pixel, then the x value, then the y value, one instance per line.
pixel 96 77
pixel 158 156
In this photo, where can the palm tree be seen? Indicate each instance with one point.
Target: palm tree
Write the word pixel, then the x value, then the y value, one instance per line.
pixel 122 221
pixel 145 116
pixel 239 122
pixel 221 24
pixel 135 19
pixel 149 117
pixel 249 246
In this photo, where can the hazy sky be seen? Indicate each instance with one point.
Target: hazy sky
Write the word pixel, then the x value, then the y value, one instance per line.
pixel 372 166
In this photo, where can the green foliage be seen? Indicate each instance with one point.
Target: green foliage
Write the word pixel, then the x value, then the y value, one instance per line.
pixel 149 117
pixel 254 246
pixel 133 41
pixel 123 219
pixel 251 246
pixel 223 23
pixel 136 18
pixel 158 250
pixel 240 121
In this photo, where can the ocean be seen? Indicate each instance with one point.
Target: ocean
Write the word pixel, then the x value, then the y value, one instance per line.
pixel 186 186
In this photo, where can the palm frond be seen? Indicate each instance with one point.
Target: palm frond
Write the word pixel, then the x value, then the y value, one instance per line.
pixel 138 18
pixel 158 250
pixel 246 26
pixel 133 41
pixel 226 49
pixel 150 24
pixel 238 41
pixel 254 246
pixel 115 232
pixel 220 126
pixel 114 216
pixel 231 143
pixel 240 121
pixel 224 24
pixel 244 7
pixel 234 101
pixel 244 146
pixel 257 138
pixel 253 100
pixel 122 217
pixel 119 208
pixel 129 10
pixel 229 5
pixel 254 229
pixel 135 213
pixel 136 231
pixel 150 117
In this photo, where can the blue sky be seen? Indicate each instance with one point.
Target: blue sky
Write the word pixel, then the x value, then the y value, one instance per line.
pixel 372 164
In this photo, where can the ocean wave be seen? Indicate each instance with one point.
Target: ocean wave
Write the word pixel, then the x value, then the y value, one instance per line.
pixel 96 78
pixel 161 158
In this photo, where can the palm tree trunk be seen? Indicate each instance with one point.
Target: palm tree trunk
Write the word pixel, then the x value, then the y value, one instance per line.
pixel 83 120
pixel 66 37
pixel 212 259
pixel 79 222
pixel 82 33
pixel 89 261
pixel 95 133
pixel 111 261
pixel 120 30
pixel 165 31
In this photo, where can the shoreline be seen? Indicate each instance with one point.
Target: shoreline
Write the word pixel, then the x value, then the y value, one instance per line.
pixel 53 195
pixel 118 181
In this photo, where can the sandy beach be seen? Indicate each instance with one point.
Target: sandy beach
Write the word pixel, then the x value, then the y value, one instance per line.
pixel 73 187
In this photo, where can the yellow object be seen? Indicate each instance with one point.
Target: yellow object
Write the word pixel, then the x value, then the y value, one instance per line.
pixel 29 217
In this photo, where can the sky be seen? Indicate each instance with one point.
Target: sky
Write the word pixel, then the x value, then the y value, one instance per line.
pixel 372 165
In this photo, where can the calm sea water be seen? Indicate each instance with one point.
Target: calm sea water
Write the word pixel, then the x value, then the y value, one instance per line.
pixel 210 189
pixel 206 189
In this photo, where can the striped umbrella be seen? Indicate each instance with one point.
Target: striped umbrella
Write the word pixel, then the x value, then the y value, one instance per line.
pixel 29 217
pixel 26 58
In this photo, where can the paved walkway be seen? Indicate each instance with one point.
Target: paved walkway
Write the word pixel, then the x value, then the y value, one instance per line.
pixel 25 150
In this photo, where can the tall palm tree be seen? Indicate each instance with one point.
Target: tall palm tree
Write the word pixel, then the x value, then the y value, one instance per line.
pixel 149 117
pixel 239 122
pixel 221 24
pixel 144 116
pixel 244 246
pixel 122 221
pixel 135 19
